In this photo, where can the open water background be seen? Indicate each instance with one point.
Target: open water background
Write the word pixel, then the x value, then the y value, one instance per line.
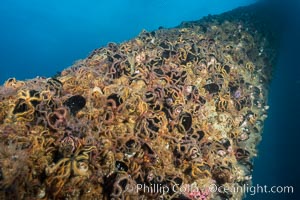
pixel 39 38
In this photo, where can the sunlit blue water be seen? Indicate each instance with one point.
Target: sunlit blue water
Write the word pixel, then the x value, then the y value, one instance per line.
pixel 42 37
pixel 39 38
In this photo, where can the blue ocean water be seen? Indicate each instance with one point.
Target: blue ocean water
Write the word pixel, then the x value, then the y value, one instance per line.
pixel 39 38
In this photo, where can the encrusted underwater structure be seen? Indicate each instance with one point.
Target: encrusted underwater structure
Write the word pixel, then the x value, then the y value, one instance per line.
pixel 172 108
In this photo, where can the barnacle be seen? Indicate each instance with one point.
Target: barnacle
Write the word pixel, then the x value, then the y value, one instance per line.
pixel 174 107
